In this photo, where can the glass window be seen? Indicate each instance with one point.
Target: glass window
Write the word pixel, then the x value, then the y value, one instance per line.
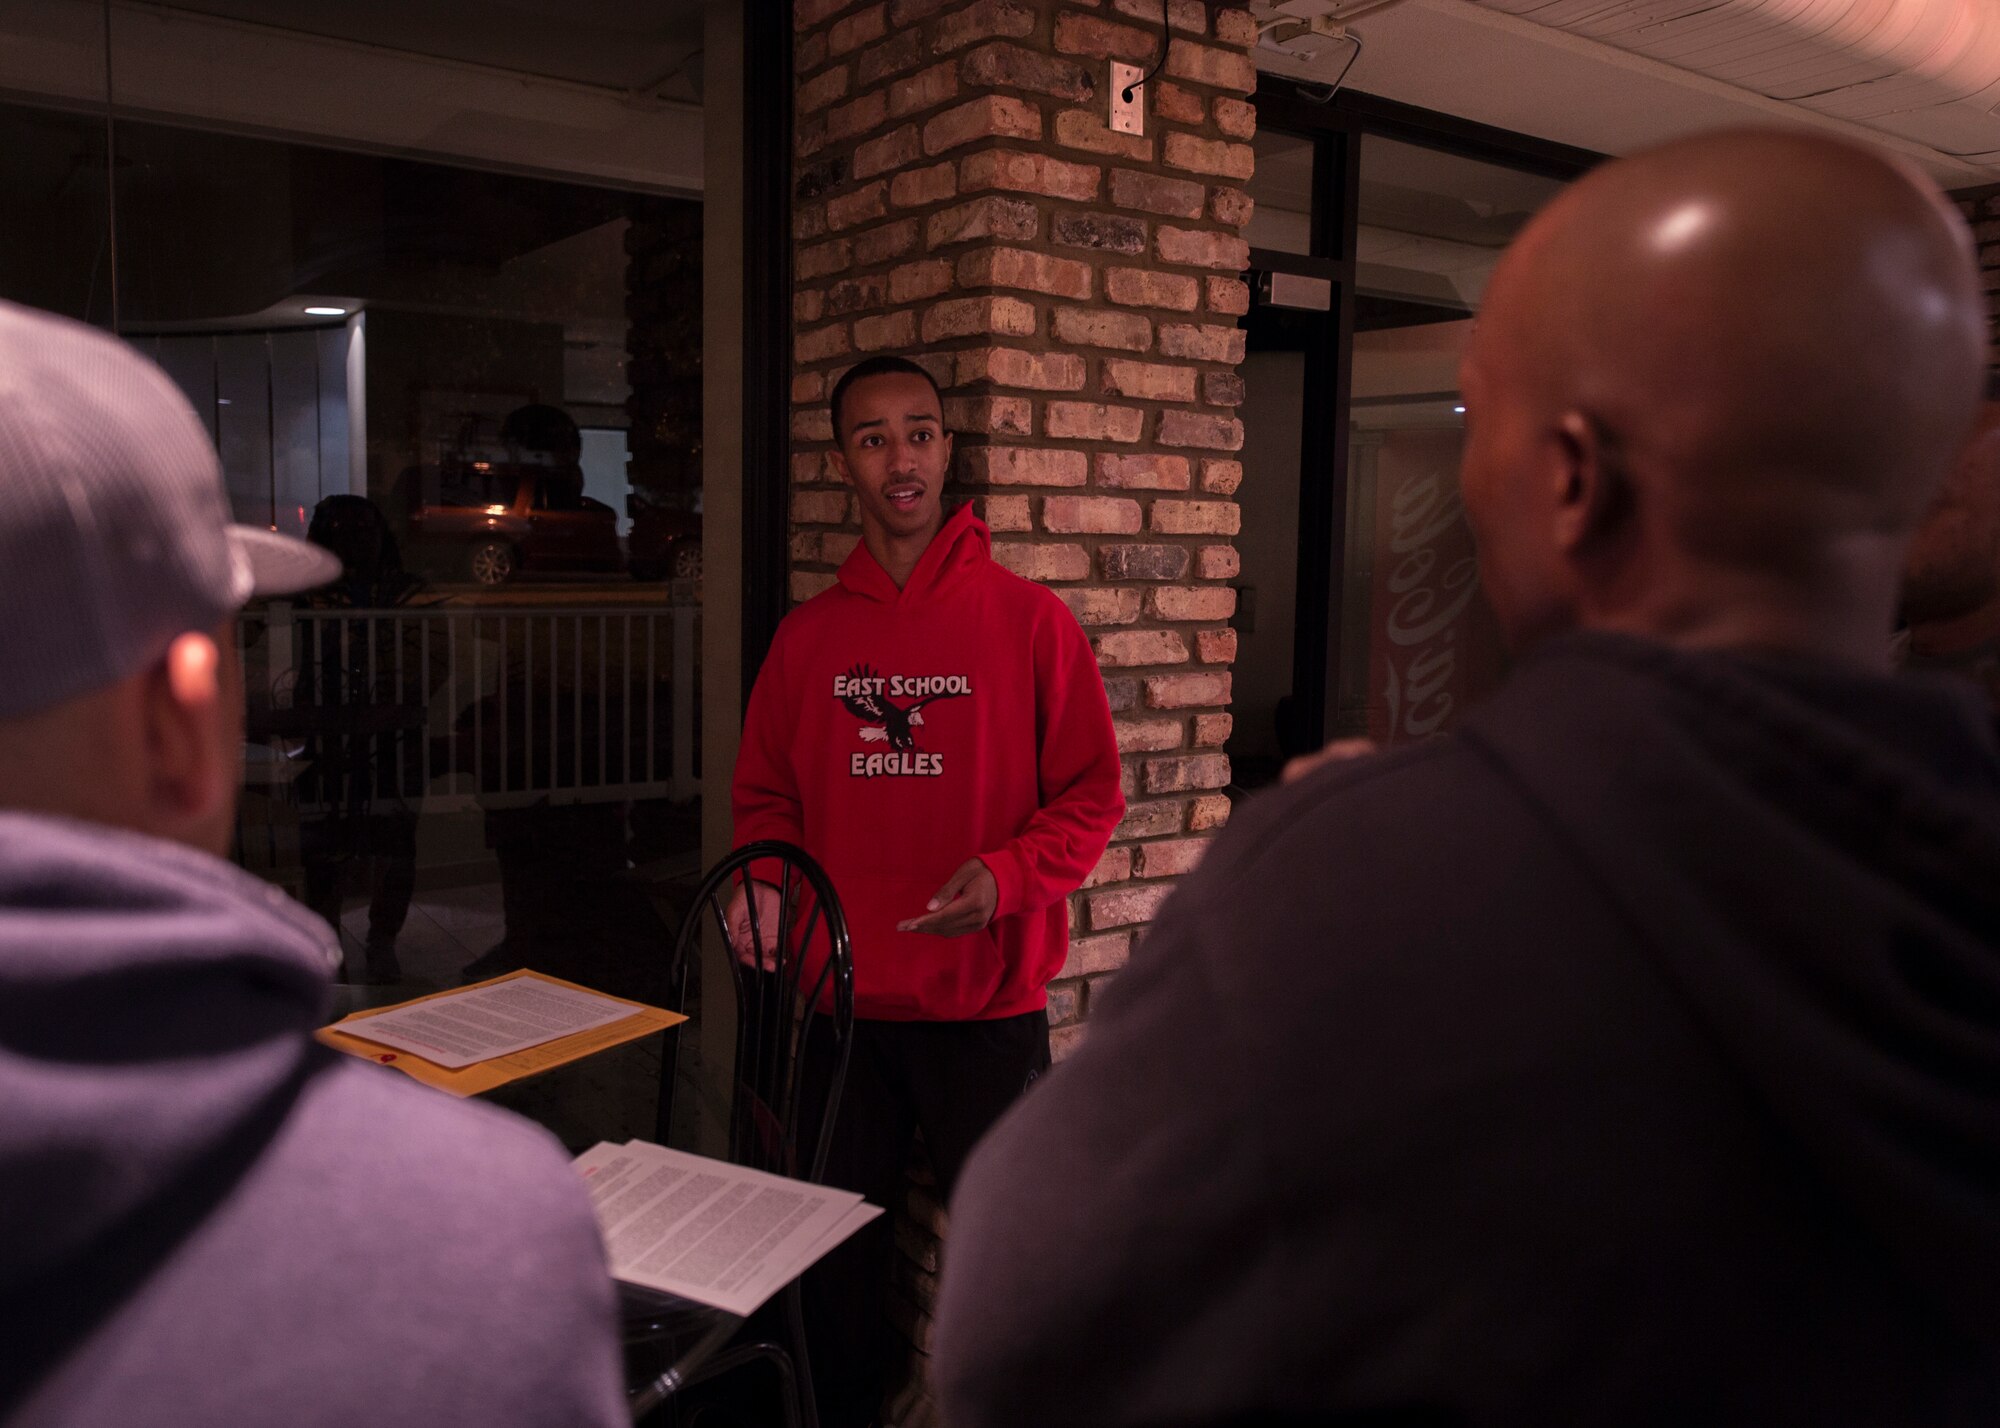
pixel 1282 186
pixel 1417 642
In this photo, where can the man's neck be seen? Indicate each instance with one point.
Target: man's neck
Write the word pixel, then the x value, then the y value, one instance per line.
pixel 898 555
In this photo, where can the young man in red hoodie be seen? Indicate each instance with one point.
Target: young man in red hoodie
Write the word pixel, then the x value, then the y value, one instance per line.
pixel 933 729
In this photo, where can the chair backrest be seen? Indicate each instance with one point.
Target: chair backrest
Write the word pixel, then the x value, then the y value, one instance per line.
pixel 804 997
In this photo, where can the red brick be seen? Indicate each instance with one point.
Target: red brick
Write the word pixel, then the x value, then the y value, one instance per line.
pixel 1082 129
pixel 1235 118
pixel 908 12
pixel 1011 67
pixel 855 294
pixel 1215 646
pixel 1191 602
pixel 1121 692
pixel 1147 381
pixel 821 343
pixel 1184 428
pixel 821 259
pixel 1218 69
pixel 807 305
pixel 1182 106
pixel 819 179
pixel 991 116
pixel 924 90
pixel 992 217
pixel 858 117
pixel 808 222
pixel 812 424
pixel 808 465
pixel 861 206
pixel 819 508
pixel 808 52
pixel 1106 232
pixel 1142 562
pixel 1203 343
pixel 808 14
pixel 980 316
pixel 989 19
pixel 1147 736
pixel 878 62
pixel 1149 820
pixel 1141 287
pixel 1172 858
pixel 807 583
pixel 1019 268
pixel 1006 513
pixel 916 188
pixel 1183 691
pixel 1231 206
pixel 1210 156
pixel 1099 606
pixel 1126 648
pixel 1153 193
pixel 1093 327
pixel 1185 774
pixel 1100 39
pixel 1219 562
pixel 938 364
pixel 1230 295
pixel 891 240
pixel 1093 956
pixel 1024 466
pixel 1039 561
pixel 895 329
pixel 915 281
pixel 808 387
pixel 863 27
pixel 1065 1008
pixel 1064 1042
pixel 1143 473
pixel 897 149
pixel 1209 811
pixel 1114 867
pixel 1221 476
pixel 1196 517
pixel 1190 16
pixel 809 135
pixel 1212 731
pixel 1011 367
pixel 1091 515
pixel 1028 173
pixel 1222 389
pixel 821 90
pixel 1088 421
pixel 988 415
pixel 1125 906
pixel 1236 27
pixel 1201 250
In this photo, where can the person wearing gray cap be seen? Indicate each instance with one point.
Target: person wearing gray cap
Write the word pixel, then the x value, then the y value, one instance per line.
pixel 209 1217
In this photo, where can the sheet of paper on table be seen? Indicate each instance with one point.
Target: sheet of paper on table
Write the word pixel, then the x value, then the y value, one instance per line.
pixel 357 1035
pixel 709 1231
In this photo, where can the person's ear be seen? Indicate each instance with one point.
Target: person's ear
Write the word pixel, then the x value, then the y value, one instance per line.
pixel 1592 493
pixel 191 777
pixel 837 459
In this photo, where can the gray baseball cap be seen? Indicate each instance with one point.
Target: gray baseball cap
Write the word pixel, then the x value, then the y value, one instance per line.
pixel 115 533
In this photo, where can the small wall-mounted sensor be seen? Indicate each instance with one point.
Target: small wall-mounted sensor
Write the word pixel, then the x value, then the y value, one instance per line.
pixel 1128 99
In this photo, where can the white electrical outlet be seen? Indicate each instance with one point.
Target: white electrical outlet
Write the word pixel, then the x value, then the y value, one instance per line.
pixel 1127 117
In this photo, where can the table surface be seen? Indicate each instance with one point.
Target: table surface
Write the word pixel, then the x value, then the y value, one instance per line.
pixel 667 1338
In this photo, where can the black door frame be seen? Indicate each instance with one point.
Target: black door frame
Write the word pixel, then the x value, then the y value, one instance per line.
pixel 1337 127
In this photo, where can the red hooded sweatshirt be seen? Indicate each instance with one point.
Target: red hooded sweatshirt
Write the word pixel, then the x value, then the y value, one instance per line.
pixel 895 734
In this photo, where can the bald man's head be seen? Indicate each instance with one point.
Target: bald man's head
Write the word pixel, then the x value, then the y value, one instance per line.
pixel 1713 389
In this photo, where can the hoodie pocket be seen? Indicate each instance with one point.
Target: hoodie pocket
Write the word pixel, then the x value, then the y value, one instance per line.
pixel 907 976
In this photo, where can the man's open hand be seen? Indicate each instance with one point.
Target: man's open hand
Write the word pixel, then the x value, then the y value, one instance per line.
pixel 737 920
pixel 964 904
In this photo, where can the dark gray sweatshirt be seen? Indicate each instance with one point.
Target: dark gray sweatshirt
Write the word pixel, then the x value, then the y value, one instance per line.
pixel 206 1218
pixel 1629 1057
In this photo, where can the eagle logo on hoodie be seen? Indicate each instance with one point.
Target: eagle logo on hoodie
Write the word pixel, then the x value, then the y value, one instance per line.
pixel 862 691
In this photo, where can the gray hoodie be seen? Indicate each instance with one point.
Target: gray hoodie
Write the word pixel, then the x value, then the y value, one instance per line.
pixel 207 1218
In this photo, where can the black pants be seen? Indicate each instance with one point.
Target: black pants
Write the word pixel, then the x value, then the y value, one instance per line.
pixel 951 1080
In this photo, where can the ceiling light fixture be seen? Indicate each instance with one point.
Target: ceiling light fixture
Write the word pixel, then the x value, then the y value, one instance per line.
pixel 326 312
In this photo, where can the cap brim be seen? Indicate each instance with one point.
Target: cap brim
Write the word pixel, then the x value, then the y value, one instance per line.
pixel 271 564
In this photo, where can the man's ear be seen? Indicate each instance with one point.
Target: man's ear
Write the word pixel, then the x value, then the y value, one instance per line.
pixel 1593 494
pixel 837 459
pixel 191 777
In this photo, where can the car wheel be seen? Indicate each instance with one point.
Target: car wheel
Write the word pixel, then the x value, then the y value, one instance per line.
pixel 492 562
pixel 687 561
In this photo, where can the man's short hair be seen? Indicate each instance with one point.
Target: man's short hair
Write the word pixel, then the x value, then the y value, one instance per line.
pixel 877 367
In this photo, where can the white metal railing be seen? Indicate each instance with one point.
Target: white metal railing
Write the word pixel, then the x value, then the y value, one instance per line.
pixel 445 707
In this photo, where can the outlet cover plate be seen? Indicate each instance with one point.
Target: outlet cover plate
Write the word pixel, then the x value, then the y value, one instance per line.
pixel 1127 118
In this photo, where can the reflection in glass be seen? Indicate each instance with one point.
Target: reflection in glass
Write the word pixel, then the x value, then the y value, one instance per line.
pixel 1283 189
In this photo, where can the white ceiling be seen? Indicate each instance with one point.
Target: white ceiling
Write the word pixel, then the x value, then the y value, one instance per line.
pixel 1499 69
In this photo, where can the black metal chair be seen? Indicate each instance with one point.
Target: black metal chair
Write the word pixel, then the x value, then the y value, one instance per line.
pixel 801 993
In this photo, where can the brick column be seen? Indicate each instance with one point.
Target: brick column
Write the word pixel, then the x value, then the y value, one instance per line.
pixel 1075 292
pixel 1981 207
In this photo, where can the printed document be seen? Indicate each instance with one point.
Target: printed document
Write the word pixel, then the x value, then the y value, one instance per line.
pixel 716 1233
pixel 496 1019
